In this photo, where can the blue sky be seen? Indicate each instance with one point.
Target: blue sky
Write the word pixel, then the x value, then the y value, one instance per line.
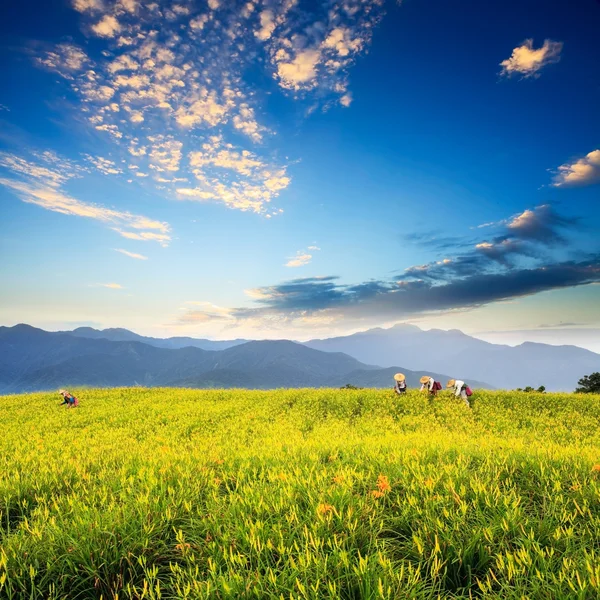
pixel 301 169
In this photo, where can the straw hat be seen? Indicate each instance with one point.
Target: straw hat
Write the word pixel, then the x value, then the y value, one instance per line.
pixel 399 377
pixel 424 379
pixel 451 383
pixel 62 391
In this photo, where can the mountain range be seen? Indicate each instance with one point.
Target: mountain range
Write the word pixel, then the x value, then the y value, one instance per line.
pixel 558 368
pixel 124 335
pixel 33 359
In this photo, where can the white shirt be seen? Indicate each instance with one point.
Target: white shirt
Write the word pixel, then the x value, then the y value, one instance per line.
pixel 458 387
pixel 429 384
pixel 400 385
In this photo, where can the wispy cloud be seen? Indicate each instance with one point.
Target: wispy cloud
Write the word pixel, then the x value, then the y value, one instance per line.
pixel 582 171
pixel 40 182
pixel 131 254
pixel 204 312
pixel 302 257
pixel 527 61
pixel 104 165
pixel 65 59
pixel 111 286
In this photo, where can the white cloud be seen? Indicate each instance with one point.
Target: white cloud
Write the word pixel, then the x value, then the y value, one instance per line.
pixel 104 165
pixel 165 153
pixel 51 176
pixel 267 25
pixel 129 5
pixel 199 22
pixel 65 59
pixel 527 60
pixel 346 100
pixel 302 257
pixel 131 254
pixel 113 130
pixel 583 171
pixel 87 5
pixel 112 286
pixel 123 63
pixel 108 27
pixel 56 201
pixel 171 79
pixel 41 185
pixel 318 56
pixel 205 109
pixel 252 183
pixel 145 236
pixel 204 312
pixel 301 72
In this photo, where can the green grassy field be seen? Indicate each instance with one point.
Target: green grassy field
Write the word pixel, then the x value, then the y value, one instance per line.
pixel 299 494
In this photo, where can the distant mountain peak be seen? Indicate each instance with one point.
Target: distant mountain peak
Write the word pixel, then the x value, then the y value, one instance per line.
pixel 404 327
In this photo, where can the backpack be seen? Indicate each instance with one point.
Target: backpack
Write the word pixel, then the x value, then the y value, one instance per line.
pixel 437 385
pixel 469 391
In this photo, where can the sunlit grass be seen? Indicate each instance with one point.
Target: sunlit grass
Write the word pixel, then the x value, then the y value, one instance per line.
pixel 299 494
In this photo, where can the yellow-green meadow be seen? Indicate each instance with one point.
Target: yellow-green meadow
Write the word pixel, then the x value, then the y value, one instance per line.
pixel 173 493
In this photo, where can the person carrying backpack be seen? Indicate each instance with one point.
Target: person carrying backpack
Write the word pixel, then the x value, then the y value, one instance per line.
pixel 68 399
pixel 460 389
pixel 400 387
pixel 431 384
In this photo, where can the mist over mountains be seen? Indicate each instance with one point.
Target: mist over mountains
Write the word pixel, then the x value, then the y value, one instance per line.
pixel 33 359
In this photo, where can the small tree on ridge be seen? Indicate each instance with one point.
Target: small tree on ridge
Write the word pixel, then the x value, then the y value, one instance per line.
pixel 590 384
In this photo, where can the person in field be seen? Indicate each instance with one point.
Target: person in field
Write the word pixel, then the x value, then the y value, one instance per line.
pixel 400 386
pixel 430 384
pixel 68 399
pixel 461 389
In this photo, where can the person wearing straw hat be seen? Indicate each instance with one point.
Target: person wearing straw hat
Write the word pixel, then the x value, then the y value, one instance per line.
pixel 460 389
pixel 68 399
pixel 400 387
pixel 430 383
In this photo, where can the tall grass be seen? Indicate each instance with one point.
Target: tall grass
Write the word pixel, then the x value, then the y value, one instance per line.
pixel 169 493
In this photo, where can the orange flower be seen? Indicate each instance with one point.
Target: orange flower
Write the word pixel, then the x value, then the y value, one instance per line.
pixel 596 469
pixel 324 509
pixel 182 547
pixel 338 479
pixel 377 494
pixel 383 485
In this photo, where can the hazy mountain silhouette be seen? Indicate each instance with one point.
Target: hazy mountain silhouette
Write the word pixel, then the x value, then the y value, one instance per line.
pixel 556 367
pixel 33 359
pixel 124 335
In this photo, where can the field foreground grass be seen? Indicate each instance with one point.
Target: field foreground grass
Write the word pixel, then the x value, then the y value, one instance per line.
pixel 169 493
